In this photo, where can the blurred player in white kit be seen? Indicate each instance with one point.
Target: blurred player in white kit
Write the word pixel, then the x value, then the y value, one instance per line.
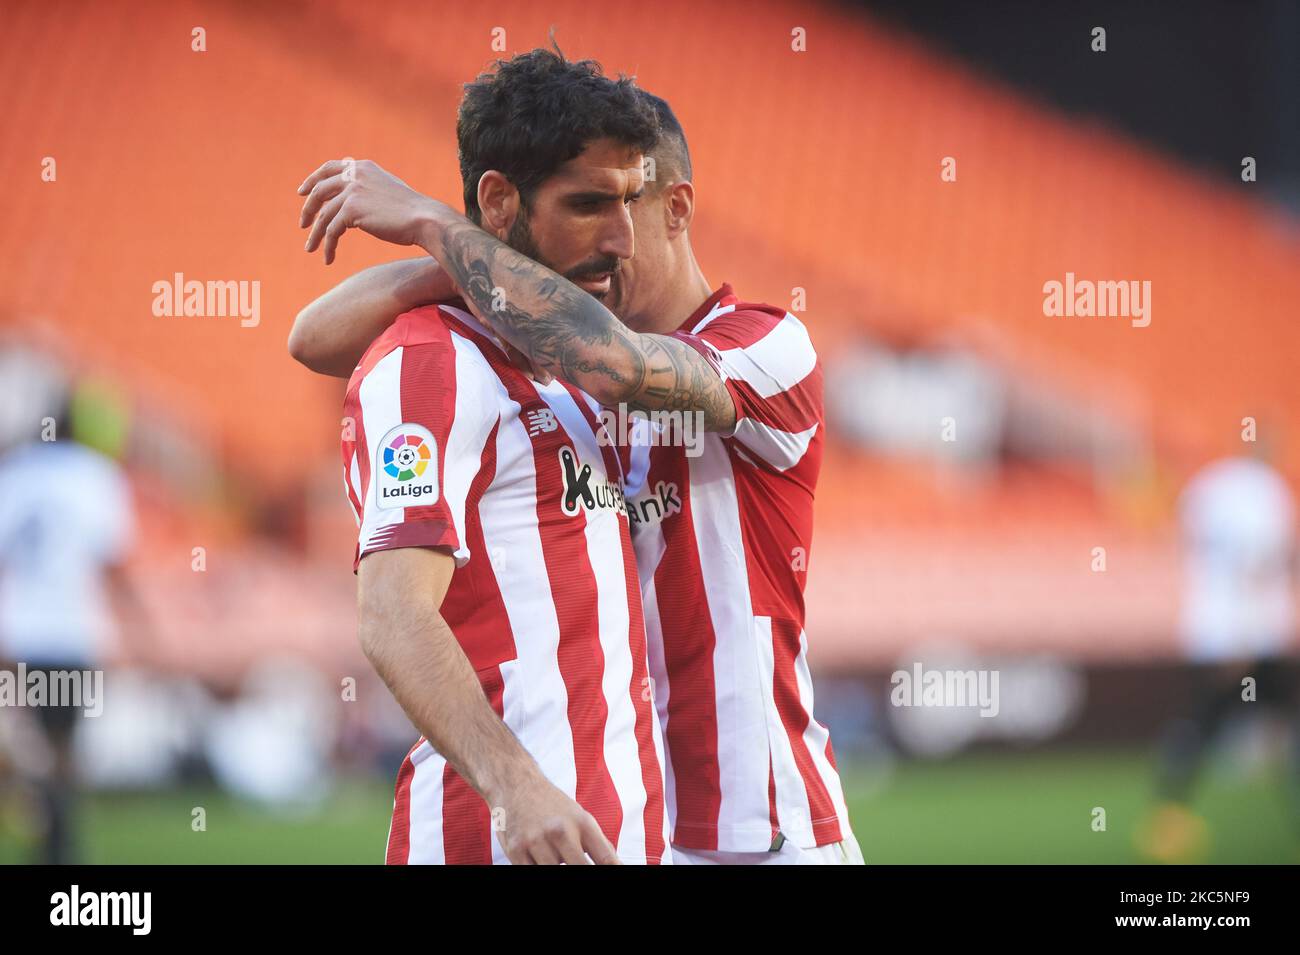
pixel 66 526
pixel 1238 621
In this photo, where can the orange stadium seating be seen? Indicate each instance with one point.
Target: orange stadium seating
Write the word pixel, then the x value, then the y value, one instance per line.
pixel 816 170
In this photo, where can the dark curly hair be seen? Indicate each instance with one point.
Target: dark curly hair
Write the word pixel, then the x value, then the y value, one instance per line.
pixel 536 111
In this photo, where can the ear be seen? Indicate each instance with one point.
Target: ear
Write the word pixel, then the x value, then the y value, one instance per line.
pixel 498 202
pixel 679 210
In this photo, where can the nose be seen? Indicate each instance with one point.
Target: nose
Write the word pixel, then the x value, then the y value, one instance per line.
pixel 618 239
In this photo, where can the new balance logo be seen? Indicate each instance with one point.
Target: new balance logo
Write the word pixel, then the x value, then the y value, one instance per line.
pixel 540 421
pixel 579 491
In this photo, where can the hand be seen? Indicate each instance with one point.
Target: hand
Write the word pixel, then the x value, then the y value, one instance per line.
pixel 345 193
pixel 520 360
pixel 543 826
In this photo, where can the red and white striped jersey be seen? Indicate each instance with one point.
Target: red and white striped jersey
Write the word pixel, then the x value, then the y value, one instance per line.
pixel 722 537
pixel 449 445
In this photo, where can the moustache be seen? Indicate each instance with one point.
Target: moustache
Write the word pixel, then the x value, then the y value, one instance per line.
pixel 593 269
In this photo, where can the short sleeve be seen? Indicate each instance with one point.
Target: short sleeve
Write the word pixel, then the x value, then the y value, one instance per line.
pixel 419 425
pixel 770 367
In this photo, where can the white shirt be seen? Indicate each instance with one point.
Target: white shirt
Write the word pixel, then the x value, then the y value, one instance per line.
pixel 1238 519
pixel 65 516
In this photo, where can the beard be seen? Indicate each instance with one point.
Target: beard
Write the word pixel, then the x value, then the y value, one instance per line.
pixel 520 238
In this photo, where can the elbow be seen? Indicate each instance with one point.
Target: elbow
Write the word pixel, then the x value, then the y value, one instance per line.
pixel 308 349
pixel 373 602
pixel 371 646
pixel 299 344
pixel 371 628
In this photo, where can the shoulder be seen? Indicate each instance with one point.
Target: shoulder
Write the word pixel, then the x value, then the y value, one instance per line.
pixel 745 324
pixel 738 324
pixel 420 326
pixel 432 340
pixel 63 456
pixel 92 462
pixel 761 344
pixel 44 472
pixel 749 333
pixel 428 368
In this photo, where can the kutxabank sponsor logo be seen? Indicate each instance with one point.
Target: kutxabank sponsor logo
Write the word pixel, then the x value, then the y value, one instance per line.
pixel 406 471
pixel 653 508
pixel 44 686
pixel 581 492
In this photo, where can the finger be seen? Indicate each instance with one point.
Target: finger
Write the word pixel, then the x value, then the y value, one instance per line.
pixel 324 171
pixel 540 374
pixel 323 191
pixel 521 360
pixel 323 220
pixel 596 845
pixel 543 854
pixel 517 854
pixel 569 846
pixel 521 858
pixel 338 225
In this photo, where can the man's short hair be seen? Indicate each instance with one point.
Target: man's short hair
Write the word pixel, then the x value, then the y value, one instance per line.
pixel 671 151
pixel 536 111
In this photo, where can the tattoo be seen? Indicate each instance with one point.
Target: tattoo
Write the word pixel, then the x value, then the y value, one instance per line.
pixel 681 380
pixel 571 335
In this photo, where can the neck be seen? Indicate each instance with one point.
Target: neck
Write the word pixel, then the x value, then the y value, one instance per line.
pixel 687 290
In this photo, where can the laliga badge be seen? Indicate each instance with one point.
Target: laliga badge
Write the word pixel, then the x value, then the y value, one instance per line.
pixel 406 468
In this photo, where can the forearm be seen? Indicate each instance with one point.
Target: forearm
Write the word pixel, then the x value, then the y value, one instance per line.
pixel 428 673
pixel 565 332
pixel 568 333
pixel 331 334
pixel 561 328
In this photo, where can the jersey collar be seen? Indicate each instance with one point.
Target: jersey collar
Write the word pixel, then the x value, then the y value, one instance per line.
pixel 718 298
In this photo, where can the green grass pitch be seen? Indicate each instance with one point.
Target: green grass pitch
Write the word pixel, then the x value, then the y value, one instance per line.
pixel 995 809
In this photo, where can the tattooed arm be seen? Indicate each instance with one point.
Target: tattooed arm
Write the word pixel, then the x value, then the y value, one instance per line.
pixel 563 330
pixel 569 333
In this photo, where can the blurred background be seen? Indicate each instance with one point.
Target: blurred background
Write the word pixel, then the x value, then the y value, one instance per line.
pixel 1097 509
